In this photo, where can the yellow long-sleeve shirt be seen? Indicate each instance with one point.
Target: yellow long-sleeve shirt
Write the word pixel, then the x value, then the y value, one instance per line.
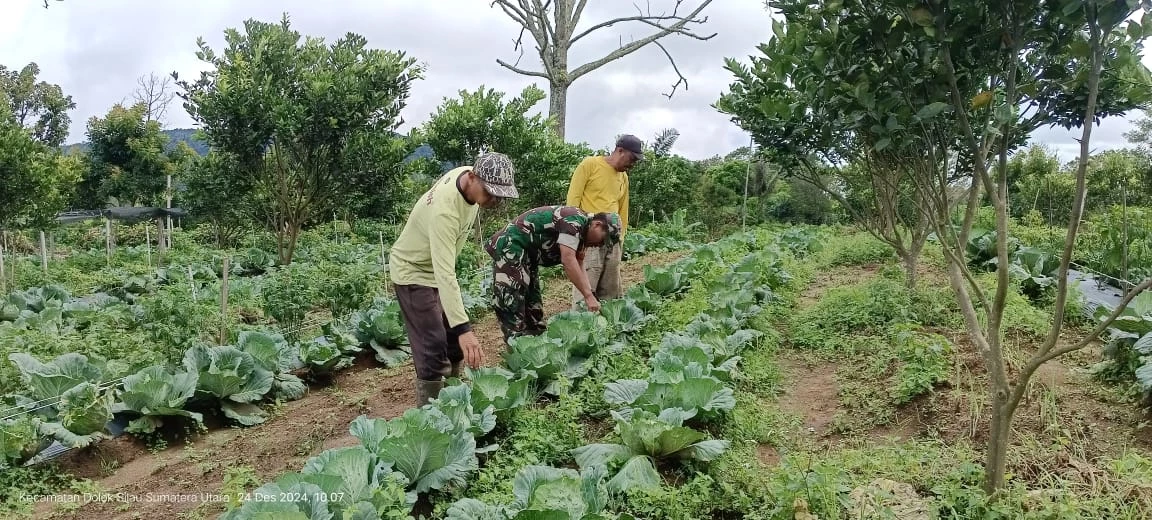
pixel 426 250
pixel 597 187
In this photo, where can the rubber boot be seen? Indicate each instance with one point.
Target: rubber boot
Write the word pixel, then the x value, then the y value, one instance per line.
pixel 427 390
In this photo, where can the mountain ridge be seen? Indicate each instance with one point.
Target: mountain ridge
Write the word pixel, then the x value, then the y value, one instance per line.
pixel 188 136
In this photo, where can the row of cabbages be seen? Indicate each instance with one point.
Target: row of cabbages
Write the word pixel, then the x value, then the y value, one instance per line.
pixel 439 445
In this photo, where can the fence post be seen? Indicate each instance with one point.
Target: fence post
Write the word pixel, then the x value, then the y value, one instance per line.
pixel 43 253
pixel 108 238
pixel 224 303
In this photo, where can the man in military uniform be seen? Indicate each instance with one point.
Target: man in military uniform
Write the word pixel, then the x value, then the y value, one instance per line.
pixel 544 236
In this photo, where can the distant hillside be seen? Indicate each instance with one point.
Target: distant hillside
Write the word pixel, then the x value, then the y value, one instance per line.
pixel 175 135
pixel 186 135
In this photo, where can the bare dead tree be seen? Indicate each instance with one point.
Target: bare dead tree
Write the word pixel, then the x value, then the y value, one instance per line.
pixel 552 24
pixel 156 94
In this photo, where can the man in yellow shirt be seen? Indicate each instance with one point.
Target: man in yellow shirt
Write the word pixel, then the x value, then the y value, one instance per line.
pixel 422 266
pixel 600 185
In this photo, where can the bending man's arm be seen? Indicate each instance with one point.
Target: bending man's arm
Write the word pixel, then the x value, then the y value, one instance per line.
pixel 575 270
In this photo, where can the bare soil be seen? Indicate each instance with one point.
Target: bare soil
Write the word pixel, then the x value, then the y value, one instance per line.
pixel 810 392
pixel 296 431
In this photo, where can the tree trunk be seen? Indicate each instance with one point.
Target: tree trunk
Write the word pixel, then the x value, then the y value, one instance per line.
pixel 558 106
pixel 910 260
pixel 999 436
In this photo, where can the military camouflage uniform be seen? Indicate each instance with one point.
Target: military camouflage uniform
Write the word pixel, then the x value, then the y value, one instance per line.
pixel 518 251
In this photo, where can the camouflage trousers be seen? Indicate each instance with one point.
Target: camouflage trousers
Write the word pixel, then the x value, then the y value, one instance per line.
pixel 516 297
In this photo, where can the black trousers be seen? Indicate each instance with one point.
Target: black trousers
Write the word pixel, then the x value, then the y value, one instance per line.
pixel 434 346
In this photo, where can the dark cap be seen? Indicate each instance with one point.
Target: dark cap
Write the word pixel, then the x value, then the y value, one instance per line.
pixel 632 144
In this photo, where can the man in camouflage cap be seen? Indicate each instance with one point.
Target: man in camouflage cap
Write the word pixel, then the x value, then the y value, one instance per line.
pixel 422 266
pixel 543 237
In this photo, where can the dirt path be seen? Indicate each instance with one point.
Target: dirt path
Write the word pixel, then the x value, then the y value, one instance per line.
pixel 296 431
pixel 810 392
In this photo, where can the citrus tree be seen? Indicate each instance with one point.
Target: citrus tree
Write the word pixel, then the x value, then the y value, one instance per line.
pixel 287 108
pixel 931 97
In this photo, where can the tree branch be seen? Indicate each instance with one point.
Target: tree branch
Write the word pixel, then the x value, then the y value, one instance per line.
pixel 681 80
pixel 1095 35
pixel 576 17
pixel 650 20
pixel 638 44
pixel 512 11
pixel 518 70
pixel 540 11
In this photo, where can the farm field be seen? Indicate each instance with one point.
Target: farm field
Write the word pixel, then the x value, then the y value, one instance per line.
pixel 827 387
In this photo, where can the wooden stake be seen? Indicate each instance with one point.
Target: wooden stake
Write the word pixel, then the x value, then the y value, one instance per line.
pixel 192 283
pixel 43 253
pixel 3 279
pixel 107 239
pixel 168 201
pixel 224 303
pixel 148 245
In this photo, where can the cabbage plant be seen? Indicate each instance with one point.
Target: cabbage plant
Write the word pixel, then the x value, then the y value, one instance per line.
pixel 545 493
pixel 424 444
pixel 154 393
pixel 231 378
pixel 646 438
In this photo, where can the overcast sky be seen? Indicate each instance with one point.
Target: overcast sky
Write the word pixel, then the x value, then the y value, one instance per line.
pixel 95 49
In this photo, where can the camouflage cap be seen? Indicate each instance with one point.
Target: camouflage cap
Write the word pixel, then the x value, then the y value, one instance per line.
pixel 613 222
pixel 498 174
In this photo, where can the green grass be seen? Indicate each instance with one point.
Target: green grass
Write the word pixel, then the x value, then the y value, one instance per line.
pixel 874 331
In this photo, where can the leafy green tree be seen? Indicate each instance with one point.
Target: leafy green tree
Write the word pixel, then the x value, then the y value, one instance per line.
pixel 481 120
pixel 40 107
pixel 218 191
pixel 381 185
pixel 661 185
pixel 801 202
pixel 720 194
pixel 941 91
pixel 1050 194
pixel 130 158
pixel 1034 163
pixel 1141 133
pixel 289 109
pixel 826 97
pixel 37 179
pixel 1119 178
